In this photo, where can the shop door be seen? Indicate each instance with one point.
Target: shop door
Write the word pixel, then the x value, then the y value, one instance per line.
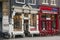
pixel 46 25
pixel 0 16
pixel 26 26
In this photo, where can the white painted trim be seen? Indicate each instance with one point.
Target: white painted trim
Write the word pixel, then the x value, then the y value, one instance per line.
pixel 29 23
pixel 33 12
pixel 18 10
pixel 53 4
pixel 45 3
pixel 32 3
pixel 22 22
pixel 26 18
pixel 12 22
pixel 12 26
pixel 20 2
pixel 37 22
pixel 13 13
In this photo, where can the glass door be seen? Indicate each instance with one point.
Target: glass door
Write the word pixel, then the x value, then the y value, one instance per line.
pixel 43 25
pixel 46 21
pixel 26 25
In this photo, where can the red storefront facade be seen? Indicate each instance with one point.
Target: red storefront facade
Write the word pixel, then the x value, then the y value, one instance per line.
pixel 48 20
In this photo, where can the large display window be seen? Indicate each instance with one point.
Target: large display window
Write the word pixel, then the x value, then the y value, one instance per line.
pixel 33 20
pixel 18 22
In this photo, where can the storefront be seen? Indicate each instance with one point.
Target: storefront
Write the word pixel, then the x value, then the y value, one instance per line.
pixel 24 19
pixel 48 20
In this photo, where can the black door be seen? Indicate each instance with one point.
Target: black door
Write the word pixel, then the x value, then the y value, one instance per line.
pixel 0 16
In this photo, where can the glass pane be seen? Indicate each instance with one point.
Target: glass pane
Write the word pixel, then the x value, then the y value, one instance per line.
pixel 53 24
pixel 43 24
pixel 48 16
pixel 53 17
pixel 20 0
pixel 33 19
pixel 43 16
pixel 17 23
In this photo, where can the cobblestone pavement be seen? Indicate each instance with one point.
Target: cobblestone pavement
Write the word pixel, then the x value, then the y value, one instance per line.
pixel 36 38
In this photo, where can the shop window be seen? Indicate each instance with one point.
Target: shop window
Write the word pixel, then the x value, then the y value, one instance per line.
pixel 53 17
pixel 46 16
pixel 32 2
pixel 53 2
pixel 43 16
pixel 17 23
pixel 20 1
pixel 44 1
pixel 33 20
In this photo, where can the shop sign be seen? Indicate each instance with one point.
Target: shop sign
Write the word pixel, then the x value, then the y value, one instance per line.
pixel 50 12
pixel 45 8
pixel 46 11
pixel 54 9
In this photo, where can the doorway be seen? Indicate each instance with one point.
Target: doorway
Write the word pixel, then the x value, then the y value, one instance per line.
pixel 26 27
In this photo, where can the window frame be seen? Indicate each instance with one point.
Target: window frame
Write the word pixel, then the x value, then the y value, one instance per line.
pixel 54 2
pixel 20 2
pixel 45 2
pixel 32 3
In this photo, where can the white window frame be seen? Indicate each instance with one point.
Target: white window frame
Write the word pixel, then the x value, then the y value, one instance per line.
pixel 32 3
pixel 43 2
pixel 54 2
pixel 20 2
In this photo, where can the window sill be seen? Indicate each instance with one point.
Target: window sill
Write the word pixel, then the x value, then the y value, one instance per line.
pixel 20 2
pixel 45 3
pixel 53 4
pixel 31 4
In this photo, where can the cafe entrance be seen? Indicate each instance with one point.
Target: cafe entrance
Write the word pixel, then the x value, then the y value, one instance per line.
pixel 48 20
